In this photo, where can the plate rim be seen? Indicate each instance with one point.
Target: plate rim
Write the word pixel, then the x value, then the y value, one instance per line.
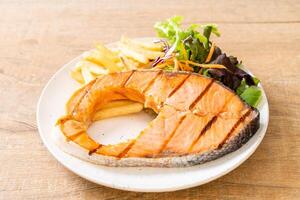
pixel 137 189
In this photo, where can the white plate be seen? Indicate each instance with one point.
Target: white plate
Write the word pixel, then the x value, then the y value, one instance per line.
pixel 51 106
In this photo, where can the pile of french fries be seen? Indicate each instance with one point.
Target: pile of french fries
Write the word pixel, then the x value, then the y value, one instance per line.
pixel 129 54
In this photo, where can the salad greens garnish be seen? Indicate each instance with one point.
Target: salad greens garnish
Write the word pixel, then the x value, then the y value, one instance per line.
pixel 242 87
pixel 192 46
pixel 251 95
pixel 188 43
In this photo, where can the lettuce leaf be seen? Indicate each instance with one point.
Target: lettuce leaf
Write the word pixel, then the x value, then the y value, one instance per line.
pixel 255 80
pixel 243 86
pixel 207 30
pixel 189 40
pixel 252 95
pixel 167 29
pixel 197 52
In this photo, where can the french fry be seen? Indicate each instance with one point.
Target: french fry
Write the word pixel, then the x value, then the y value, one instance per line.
pixel 118 111
pixel 113 103
pixel 107 53
pixel 117 103
pixel 134 46
pixel 150 45
pixel 129 63
pixel 133 54
pixel 116 51
pixel 142 44
pixel 87 75
pixel 77 76
pixel 121 65
pixel 151 55
pixel 99 58
pixel 112 54
pixel 92 67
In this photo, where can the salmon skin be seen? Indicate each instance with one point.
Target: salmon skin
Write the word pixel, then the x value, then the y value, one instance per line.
pixel 198 120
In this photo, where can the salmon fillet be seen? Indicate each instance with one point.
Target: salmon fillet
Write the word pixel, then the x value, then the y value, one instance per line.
pixel 198 120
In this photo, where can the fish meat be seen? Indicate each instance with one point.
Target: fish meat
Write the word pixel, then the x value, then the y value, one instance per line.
pixel 198 119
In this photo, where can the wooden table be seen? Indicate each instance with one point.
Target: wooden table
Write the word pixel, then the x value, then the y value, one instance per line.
pixel 38 37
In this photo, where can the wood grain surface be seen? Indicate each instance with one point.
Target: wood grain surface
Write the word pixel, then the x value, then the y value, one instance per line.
pixel 38 37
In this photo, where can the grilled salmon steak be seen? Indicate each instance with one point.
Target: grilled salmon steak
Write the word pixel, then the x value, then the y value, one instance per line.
pixel 198 119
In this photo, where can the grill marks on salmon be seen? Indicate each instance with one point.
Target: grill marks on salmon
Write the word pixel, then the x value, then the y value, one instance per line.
pixel 196 115
pixel 188 92
pixel 163 87
pixel 205 109
pixel 157 133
